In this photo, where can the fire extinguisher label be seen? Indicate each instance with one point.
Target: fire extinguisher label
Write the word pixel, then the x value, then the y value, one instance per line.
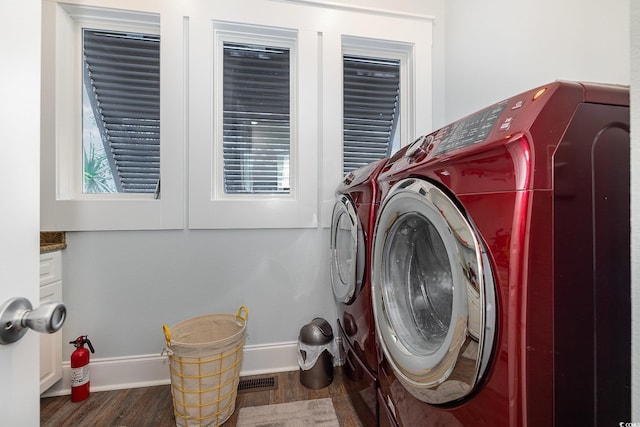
pixel 79 376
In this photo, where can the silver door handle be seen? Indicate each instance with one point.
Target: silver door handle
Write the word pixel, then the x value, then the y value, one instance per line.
pixel 17 314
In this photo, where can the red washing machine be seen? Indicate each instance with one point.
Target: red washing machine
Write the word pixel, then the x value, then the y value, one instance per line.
pixel 352 226
pixel 501 266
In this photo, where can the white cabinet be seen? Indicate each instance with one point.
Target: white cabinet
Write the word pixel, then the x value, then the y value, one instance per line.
pixel 50 344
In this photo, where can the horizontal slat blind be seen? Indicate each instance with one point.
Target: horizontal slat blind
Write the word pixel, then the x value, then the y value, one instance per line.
pixel 256 119
pixel 371 92
pixel 123 83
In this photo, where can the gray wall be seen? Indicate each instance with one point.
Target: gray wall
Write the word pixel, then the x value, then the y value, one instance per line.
pixel 120 287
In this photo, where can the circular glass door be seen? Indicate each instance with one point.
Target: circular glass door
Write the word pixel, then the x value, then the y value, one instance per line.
pixel 347 251
pixel 434 315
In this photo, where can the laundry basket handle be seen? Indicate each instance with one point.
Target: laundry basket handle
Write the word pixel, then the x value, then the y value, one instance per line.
pixel 243 313
pixel 167 334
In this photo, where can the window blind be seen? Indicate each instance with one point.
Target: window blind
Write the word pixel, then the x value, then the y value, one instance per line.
pixel 370 108
pixel 256 119
pixel 122 78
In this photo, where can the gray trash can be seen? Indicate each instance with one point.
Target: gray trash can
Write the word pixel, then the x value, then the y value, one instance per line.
pixel 315 354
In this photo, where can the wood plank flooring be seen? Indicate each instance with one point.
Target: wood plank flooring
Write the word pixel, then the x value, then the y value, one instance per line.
pixel 153 407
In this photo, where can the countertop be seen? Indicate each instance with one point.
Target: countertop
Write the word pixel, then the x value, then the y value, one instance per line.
pixel 52 241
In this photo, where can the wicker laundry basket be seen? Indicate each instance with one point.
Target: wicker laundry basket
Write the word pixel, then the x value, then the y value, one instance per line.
pixel 205 358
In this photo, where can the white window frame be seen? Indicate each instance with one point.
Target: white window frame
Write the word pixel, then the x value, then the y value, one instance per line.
pixel 384 49
pixel 241 34
pixel 209 206
pixel 187 111
pixel 64 206
pixel 397 37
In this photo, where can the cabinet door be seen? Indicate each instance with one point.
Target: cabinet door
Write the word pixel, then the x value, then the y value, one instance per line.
pixel 50 268
pixel 50 344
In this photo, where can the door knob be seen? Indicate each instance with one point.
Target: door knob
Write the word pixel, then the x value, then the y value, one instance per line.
pixel 17 314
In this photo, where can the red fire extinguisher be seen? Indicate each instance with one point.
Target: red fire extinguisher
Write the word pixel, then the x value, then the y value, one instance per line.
pixel 80 369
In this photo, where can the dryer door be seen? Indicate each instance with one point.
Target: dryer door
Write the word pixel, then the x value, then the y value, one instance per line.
pixel 433 296
pixel 347 251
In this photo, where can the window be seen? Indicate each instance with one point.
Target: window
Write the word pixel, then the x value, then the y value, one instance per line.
pixel 376 96
pixel 107 84
pixel 371 109
pixel 254 99
pixel 256 119
pixel 121 112
pixel 232 145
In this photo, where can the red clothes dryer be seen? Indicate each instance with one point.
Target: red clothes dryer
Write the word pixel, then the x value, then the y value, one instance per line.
pixel 352 226
pixel 501 266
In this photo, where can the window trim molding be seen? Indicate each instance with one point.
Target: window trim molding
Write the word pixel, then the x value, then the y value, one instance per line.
pixel 63 204
pixel 187 125
pixel 403 52
pixel 360 9
pixel 209 207
pixel 411 43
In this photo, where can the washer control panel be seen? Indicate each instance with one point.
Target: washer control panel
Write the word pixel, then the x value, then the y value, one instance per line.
pixel 471 130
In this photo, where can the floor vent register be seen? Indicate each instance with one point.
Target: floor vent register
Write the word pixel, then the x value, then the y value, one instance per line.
pixel 249 385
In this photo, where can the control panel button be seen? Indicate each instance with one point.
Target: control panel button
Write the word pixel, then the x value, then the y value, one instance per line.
pixel 506 124
pixel 517 105
pixel 414 147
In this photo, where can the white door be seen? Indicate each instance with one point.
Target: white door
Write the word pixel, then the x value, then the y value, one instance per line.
pixel 19 200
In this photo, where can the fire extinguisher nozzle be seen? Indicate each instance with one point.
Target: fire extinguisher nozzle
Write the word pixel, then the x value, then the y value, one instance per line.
pixel 90 346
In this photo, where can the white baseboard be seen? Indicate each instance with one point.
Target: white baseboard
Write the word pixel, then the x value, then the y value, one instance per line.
pixel 116 373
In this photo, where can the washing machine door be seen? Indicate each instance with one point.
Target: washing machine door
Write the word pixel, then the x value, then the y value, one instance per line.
pixel 347 251
pixel 433 293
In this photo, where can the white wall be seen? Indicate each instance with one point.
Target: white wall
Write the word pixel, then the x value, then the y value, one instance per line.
pixel 496 49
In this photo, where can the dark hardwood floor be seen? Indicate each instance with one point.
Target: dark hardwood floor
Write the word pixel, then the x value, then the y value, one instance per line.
pixel 153 406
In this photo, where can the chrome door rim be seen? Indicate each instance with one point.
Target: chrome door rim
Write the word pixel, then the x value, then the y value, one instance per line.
pixel 346 284
pixel 453 370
